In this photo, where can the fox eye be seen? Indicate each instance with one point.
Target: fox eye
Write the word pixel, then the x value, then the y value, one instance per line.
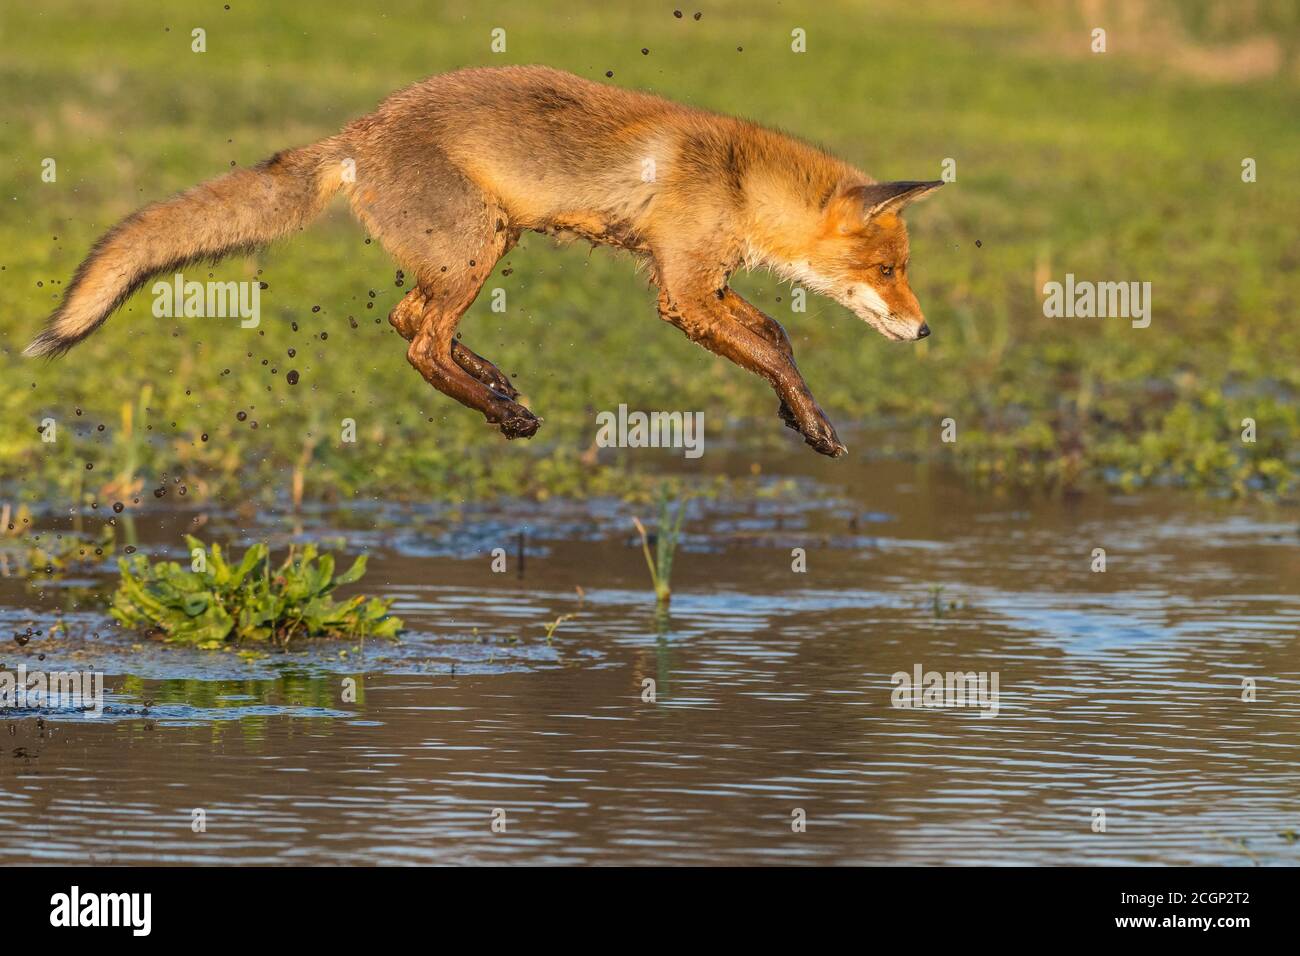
pixel 886 271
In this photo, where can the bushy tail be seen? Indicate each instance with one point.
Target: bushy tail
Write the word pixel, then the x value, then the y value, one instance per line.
pixel 234 213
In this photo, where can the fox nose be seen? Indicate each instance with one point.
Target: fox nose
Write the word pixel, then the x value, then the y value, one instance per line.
pixel 923 331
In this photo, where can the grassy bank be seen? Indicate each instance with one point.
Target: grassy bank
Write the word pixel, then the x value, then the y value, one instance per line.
pixel 1113 167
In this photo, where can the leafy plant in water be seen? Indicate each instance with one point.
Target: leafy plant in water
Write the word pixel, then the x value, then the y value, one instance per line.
pixel 666 537
pixel 249 601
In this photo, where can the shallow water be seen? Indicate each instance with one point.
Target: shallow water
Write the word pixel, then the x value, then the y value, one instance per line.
pixel 1118 692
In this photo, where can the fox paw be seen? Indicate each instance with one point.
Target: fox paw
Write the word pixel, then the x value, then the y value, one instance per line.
pixel 820 434
pixel 520 423
pixel 830 446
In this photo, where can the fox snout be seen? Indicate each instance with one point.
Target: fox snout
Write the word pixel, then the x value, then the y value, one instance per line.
pixel 910 330
pixel 911 325
pixel 895 325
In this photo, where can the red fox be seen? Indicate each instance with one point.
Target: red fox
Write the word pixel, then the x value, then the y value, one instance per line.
pixel 448 173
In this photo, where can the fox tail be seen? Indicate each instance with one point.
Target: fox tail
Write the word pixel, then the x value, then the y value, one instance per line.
pixel 234 213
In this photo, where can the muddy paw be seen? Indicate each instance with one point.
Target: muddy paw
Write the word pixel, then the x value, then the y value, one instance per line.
pixel 821 436
pixel 520 424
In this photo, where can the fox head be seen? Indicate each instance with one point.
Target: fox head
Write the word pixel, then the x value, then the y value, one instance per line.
pixel 859 256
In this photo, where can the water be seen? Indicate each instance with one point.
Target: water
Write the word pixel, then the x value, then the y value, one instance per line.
pixel 1118 692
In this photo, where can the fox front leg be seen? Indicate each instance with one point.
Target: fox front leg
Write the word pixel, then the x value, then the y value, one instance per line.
pixel 821 436
pixel 762 324
pixel 713 320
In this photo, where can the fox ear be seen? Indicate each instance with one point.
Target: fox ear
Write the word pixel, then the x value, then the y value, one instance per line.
pixel 880 198
pixel 857 205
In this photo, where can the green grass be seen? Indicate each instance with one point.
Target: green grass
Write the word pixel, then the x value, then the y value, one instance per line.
pixel 1109 167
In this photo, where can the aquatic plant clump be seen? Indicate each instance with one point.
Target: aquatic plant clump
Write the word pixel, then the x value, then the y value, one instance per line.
pixel 214 603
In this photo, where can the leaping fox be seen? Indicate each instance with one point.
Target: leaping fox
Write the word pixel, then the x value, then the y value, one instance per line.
pixel 448 173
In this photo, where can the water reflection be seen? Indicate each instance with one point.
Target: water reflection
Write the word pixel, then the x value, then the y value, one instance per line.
pixel 631 737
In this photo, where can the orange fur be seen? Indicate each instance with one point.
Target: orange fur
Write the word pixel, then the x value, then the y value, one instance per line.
pixel 450 171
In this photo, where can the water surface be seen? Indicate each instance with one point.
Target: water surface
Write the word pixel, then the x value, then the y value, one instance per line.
pixel 1119 692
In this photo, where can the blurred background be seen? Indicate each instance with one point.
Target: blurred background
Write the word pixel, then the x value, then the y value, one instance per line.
pixel 1117 166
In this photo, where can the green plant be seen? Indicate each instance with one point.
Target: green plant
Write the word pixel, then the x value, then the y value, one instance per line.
pixel 551 628
pixel 666 537
pixel 939 605
pixel 216 602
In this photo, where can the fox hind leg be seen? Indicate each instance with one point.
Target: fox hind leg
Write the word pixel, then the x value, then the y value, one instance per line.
pixel 431 353
pixel 406 316
pixel 449 234
pixel 434 352
pixel 427 317
pixel 482 369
